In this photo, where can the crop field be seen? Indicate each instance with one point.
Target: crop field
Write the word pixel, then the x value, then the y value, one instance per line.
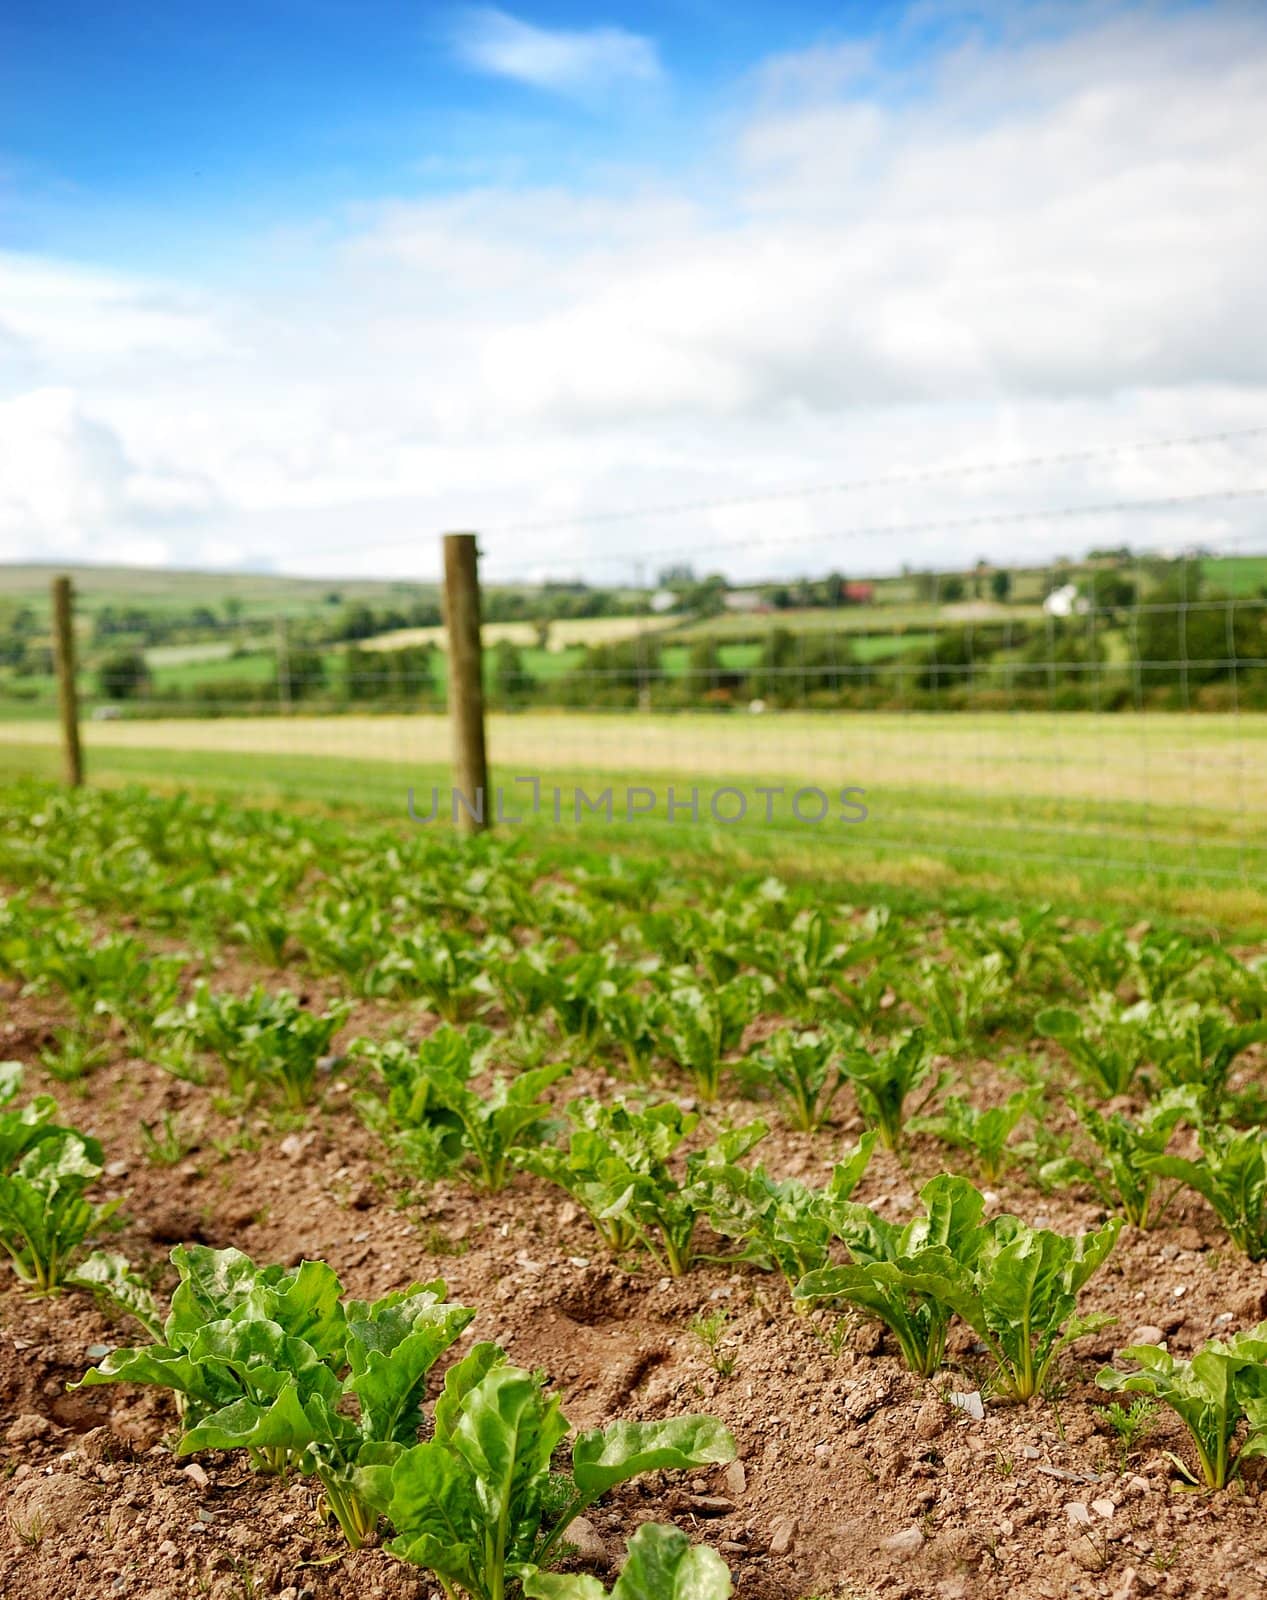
pixel 867 1248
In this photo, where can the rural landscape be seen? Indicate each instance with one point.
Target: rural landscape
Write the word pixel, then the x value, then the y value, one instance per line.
pixel 633 801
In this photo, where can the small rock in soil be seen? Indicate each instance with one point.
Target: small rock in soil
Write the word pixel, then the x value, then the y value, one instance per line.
pixel 588 1542
pixel 734 1480
pixel 930 1420
pixel 1147 1333
pixel 907 1543
pixel 782 1536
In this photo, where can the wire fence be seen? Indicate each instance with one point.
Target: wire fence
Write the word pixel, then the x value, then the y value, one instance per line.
pixel 1106 715
pixel 1109 724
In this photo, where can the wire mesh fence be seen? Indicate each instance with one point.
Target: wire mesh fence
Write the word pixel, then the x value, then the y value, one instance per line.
pixel 1112 720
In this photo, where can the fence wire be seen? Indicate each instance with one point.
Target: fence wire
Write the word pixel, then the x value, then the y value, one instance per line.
pixel 1116 724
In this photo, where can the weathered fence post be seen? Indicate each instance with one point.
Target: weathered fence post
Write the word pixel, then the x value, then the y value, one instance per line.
pixel 67 695
pixel 466 682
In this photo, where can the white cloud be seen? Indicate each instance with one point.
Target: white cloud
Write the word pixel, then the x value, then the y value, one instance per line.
pixel 585 62
pixel 850 279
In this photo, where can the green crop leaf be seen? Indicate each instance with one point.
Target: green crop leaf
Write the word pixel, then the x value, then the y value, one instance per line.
pixel 617 1166
pixel 1232 1176
pixel 275 1363
pixel 434 1115
pixel 783 1224
pixel 913 1278
pixel 1107 1043
pixel 661 1564
pixel 802 1070
pixel 606 1457
pixel 391 1347
pixel 1015 1286
pixel 1223 1385
pixel 1027 1282
pixel 700 1027
pixel 1120 1169
pixel 478 1505
pixel 45 1215
pixel 883 1082
pixel 959 1004
pixel 985 1133
pixel 110 1278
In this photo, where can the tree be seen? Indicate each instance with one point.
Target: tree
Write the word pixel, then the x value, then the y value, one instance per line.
pixel 301 675
pixel 952 588
pixel 512 682
pixel 122 675
pixel 1001 584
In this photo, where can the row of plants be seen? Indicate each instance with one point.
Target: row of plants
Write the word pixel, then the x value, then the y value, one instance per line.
pixel 268 1043
pixel 282 1366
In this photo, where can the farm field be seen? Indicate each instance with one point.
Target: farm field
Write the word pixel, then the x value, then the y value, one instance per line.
pixel 667 1135
pixel 1163 818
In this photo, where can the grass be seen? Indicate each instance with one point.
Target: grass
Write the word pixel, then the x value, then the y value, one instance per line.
pixel 943 821
pixel 884 621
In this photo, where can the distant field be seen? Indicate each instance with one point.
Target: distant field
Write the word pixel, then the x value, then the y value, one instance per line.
pixel 1241 576
pixel 1155 811
pixel 877 619
pixel 1169 760
pixel 566 632
pixel 257 593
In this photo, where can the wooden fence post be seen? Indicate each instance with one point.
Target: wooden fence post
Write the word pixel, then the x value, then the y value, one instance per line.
pixel 466 682
pixel 67 695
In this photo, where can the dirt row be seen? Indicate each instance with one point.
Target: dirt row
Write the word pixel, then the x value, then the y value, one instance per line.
pixel 854 1478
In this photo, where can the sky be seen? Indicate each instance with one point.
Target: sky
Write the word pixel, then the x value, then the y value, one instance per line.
pixel 297 285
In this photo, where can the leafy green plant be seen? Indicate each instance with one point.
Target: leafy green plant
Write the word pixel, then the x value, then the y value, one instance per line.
pixel 1023 943
pixel 477 1504
pixel 1107 1043
pixel 985 1133
pixel 862 1002
pixel 1223 1385
pixel 1231 1176
pixel 96 978
pixel 631 1021
pixel 439 1122
pixel 700 1027
pixel 617 1168
pixel 612 1149
pixel 661 1564
pixel 802 1071
pixel 265 1040
pixel 958 1004
pixel 19 1130
pixel 1120 1170
pixel 806 961
pixel 45 1214
pixel 1024 1301
pixel 1014 1285
pixel 910 1278
pixel 783 1224
pixel 268 1361
pixel 1199 1048
pixel 884 1081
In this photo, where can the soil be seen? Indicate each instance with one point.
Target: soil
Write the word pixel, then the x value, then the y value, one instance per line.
pixel 854 1477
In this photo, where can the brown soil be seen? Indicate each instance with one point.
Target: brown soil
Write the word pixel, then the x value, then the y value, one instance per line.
pixel 855 1478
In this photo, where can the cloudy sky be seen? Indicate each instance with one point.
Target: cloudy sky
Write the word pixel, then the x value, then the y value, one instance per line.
pixel 301 283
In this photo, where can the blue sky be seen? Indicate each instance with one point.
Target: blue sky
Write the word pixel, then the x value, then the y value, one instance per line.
pixel 300 283
pixel 124 125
